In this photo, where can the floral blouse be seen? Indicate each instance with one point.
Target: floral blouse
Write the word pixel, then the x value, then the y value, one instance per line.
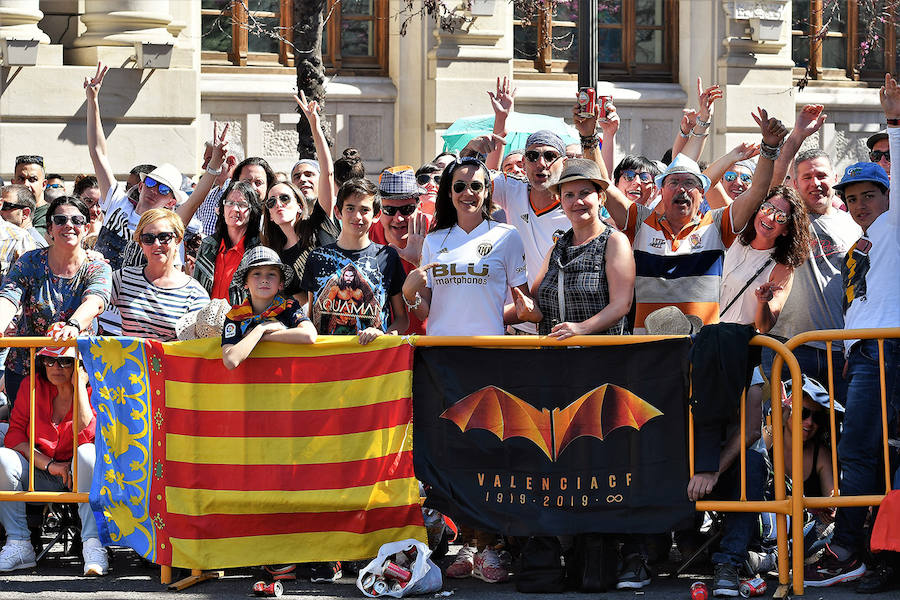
pixel 46 298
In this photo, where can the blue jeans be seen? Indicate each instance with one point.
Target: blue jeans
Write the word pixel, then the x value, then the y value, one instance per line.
pixel 13 382
pixel 739 526
pixel 813 363
pixel 14 477
pixel 861 447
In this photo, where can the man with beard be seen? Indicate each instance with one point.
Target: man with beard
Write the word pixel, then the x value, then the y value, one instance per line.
pixel 679 254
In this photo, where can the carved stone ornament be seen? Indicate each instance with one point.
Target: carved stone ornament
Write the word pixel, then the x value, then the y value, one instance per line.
pixel 773 10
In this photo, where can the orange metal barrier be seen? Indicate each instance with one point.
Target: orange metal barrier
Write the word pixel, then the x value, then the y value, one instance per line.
pixel 800 502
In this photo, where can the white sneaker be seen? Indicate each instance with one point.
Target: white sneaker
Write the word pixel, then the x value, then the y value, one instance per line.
pixel 17 554
pixel 95 560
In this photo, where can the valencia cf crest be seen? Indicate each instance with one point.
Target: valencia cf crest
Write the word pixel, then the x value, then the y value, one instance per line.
pixel 524 217
pixel 558 234
pixel 695 240
pixel 484 248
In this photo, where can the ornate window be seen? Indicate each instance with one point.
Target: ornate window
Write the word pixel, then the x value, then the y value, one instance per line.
pixel 361 30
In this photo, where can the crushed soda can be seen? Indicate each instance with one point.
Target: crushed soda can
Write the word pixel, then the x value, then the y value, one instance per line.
pixel 380 588
pixel 699 591
pixel 753 587
pixel 272 590
pixel 368 583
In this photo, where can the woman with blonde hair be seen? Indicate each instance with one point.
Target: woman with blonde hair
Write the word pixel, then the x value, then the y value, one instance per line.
pixel 152 298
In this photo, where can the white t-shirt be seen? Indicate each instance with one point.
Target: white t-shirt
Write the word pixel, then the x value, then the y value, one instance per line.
pixel 741 263
pixel 539 230
pixel 872 280
pixel 468 287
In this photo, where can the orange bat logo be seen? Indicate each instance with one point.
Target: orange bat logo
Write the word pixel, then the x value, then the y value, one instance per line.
pixel 595 414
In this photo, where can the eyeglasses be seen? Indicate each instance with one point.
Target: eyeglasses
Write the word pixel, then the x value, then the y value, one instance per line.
pixel 629 175
pixel 90 202
pixel 406 209
pixel 52 186
pixel 152 183
pixel 75 220
pixel 238 205
pixel 730 176
pixel 877 155
pixel 10 206
pixel 164 238
pixel 550 156
pixel 282 199
pixel 460 186
pixel 767 208
pixel 425 178
pixel 64 362
pixel 30 159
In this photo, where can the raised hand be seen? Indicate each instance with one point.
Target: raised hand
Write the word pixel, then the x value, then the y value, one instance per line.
pixel 610 125
pixel 744 151
pixel 688 120
pixel 773 131
pixel 219 148
pixel 309 108
pixel 482 144
pixel 502 99
pixel 417 226
pixel 809 120
pixel 707 98
pixel 890 97
pixel 92 85
pixel 586 126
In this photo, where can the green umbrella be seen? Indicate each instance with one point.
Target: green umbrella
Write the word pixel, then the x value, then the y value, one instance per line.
pixel 518 126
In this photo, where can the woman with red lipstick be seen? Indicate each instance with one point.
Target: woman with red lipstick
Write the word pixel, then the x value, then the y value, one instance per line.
pixel 759 269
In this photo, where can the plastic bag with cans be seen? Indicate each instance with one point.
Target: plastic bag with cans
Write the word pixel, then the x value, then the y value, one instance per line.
pixel 401 569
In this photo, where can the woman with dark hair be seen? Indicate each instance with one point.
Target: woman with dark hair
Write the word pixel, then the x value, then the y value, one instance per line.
pixel 237 230
pixel 759 269
pixel 348 166
pixel 87 189
pixel 292 232
pixel 60 289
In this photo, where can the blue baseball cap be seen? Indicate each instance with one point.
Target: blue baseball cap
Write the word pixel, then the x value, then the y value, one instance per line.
pixel 864 171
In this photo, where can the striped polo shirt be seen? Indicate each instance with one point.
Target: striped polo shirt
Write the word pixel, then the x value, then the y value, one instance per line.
pixel 682 269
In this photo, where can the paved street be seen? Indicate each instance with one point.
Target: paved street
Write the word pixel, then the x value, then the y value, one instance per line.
pixel 58 577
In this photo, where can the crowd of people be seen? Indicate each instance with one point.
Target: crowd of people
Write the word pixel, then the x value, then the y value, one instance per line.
pixel 545 239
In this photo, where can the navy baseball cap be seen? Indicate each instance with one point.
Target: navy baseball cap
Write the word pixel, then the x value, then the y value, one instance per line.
pixel 864 171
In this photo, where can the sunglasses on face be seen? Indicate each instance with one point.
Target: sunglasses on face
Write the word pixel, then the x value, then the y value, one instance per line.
pixel 550 156
pixel 282 199
pixel 730 176
pixel 63 361
pixel 425 178
pixel 460 186
pixel 163 188
pixel 629 175
pixel 766 209
pixel 877 155
pixel 164 238
pixel 10 206
pixel 405 210
pixel 30 159
pixel 75 220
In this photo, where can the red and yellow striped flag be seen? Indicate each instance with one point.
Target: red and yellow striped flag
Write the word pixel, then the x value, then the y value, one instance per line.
pixel 301 454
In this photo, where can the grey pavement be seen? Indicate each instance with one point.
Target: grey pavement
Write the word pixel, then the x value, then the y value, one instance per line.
pixel 131 578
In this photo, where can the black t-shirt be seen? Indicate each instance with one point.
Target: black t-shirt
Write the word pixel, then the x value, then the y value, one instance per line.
pixel 351 289
pixel 234 331
pixel 323 230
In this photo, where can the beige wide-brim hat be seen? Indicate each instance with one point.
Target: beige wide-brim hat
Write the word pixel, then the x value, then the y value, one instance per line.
pixel 204 323
pixel 669 320
pixel 581 169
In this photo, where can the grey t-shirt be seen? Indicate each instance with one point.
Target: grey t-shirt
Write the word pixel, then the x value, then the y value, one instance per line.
pixel 815 300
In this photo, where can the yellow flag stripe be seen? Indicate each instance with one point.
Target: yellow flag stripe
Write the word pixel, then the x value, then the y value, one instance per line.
pixel 326 345
pixel 288 396
pixel 288 450
pixel 393 492
pixel 286 548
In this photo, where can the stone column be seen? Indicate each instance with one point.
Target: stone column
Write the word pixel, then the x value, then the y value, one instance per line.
pixel 113 26
pixel 19 20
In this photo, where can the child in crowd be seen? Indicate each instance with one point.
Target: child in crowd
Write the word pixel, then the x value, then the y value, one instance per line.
pixel 354 286
pixel 265 314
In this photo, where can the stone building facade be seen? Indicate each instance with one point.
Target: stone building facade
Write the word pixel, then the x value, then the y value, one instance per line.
pixel 424 80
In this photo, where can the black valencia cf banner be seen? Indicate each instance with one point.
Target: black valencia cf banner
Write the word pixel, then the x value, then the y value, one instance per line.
pixel 554 441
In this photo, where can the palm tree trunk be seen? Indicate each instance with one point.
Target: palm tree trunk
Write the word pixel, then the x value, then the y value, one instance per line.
pixel 308 21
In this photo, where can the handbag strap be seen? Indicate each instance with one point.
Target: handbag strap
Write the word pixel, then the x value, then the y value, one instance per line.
pixel 560 292
pixel 746 285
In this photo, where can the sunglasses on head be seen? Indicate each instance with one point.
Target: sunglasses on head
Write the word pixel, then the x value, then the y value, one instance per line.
pixel 63 361
pixel 460 186
pixel 75 220
pixel 767 208
pixel 282 199
pixel 10 206
pixel 550 156
pixel 30 159
pixel 163 188
pixel 877 155
pixel 730 176
pixel 425 178
pixel 164 238
pixel 53 186
pixel 405 210
pixel 629 175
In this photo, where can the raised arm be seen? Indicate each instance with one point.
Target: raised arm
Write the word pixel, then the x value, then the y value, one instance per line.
pixel 608 128
pixel 717 196
pixel 502 103
pixel 96 141
pixel 327 191
pixel 890 103
pixel 616 202
pixel 693 147
pixel 745 205
pixel 808 122
pixel 688 120
pixel 218 152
